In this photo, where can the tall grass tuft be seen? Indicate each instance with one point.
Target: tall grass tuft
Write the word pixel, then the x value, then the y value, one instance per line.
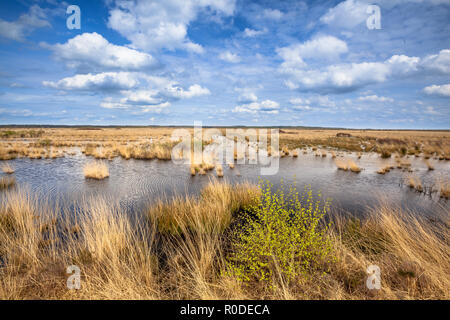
pixel 7 168
pixel 7 182
pixel 96 170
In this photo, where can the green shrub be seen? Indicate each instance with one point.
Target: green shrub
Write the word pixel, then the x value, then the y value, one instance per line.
pixel 284 236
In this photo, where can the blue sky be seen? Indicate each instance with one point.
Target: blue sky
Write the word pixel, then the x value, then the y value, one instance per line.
pixel 226 62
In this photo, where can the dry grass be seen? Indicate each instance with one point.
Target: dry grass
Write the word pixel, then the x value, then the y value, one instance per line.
pixel 415 183
pixel 150 143
pixel 213 209
pixel 7 182
pixel 429 165
pixel 219 170
pixel 411 251
pixel 180 253
pixel 96 170
pixel 384 170
pixel 7 168
pixel 347 165
pixel 444 189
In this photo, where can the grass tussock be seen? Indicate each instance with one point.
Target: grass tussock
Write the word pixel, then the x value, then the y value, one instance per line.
pixel 444 189
pixel 241 242
pixel 7 168
pixel 7 182
pixel 347 165
pixel 96 170
pixel 213 209
pixel 415 183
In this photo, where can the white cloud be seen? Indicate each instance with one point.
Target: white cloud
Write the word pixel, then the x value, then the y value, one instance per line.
pixel 229 57
pixel 90 51
pixel 250 33
pixel 19 29
pixel 321 47
pixel 351 76
pixel 316 101
pixel 247 97
pixel 154 24
pixel 401 64
pixel 375 98
pixel 440 90
pixel 346 14
pixel 266 106
pixel 430 110
pixel 273 14
pixel 438 62
pixel 350 13
pixel 96 82
pixel 193 91
pixel 337 77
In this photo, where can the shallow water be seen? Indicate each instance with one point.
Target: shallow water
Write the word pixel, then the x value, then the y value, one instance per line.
pixel 135 184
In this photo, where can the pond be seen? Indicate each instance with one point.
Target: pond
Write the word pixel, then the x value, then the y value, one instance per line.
pixel 135 184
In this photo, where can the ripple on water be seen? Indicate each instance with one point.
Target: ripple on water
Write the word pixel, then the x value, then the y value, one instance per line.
pixel 137 183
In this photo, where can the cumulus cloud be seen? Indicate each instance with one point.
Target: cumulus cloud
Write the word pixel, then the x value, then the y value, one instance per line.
pixel 152 24
pixel 229 57
pixel 346 77
pixel 19 29
pixel 440 90
pixel 347 14
pixel 350 13
pixel 266 106
pixel 247 97
pixel 312 101
pixel 106 81
pixel 321 47
pixel 273 14
pixel 193 91
pixel 343 77
pixel 375 98
pixel 91 51
pixel 438 62
pixel 250 33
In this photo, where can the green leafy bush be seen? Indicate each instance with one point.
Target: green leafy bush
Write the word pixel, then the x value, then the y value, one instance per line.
pixel 283 236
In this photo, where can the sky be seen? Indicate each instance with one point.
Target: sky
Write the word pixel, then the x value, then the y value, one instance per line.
pixel 226 62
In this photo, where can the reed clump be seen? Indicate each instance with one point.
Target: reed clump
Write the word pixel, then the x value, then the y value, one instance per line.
pixel 7 168
pixel 213 209
pixel 347 165
pixel 96 170
pixel 201 253
pixel 7 182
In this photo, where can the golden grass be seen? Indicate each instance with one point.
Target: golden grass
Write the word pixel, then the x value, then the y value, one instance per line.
pixel 96 170
pixel 7 182
pixel 384 170
pixel 180 252
pixel 213 209
pixel 444 189
pixel 219 170
pixel 7 168
pixel 347 165
pixel 415 183
pixel 136 142
pixel 429 165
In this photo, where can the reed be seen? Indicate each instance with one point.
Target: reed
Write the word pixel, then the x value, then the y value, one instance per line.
pixel 7 182
pixel 96 170
pixel 182 250
pixel 429 165
pixel 7 168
